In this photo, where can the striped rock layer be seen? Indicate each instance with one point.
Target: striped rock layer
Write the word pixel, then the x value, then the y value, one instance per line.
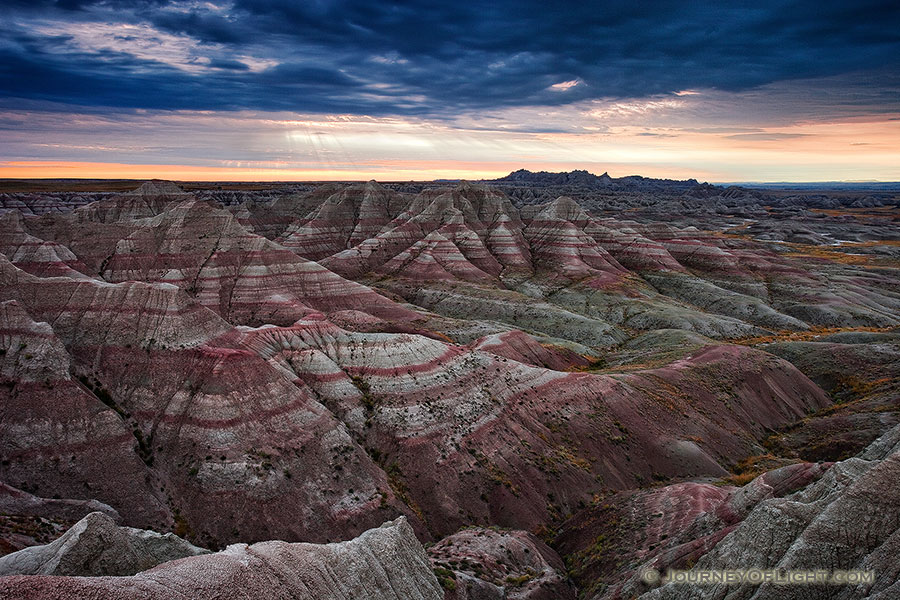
pixel 213 438
pixel 848 519
pixel 313 431
pixel 242 276
pixel 386 563
pixel 616 272
pixel 468 436
pixel 256 394
pixel 613 541
pixel 492 564
pixel 56 437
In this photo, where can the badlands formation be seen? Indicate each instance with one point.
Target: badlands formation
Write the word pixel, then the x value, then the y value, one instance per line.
pixel 537 387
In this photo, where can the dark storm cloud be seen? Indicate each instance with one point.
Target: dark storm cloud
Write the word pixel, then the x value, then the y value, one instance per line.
pixel 426 57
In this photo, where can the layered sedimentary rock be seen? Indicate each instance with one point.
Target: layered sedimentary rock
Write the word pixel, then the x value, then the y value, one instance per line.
pixel 632 249
pixel 344 219
pixel 56 437
pixel 468 252
pixel 435 258
pixel 29 520
pixel 608 269
pixel 510 308
pixel 176 239
pixel 480 563
pixel 860 370
pixel 457 214
pixel 270 218
pixel 192 368
pixel 561 247
pixel 468 249
pixel 96 546
pixel 242 276
pixel 88 312
pixel 609 545
pixel 20 503
pixel 149 200
pixel 523 348
pixel 47 259
pixel 847 519
pixel 288 406
pixel 386 563
pixel 214 429
pixel 794 517
pixel 469 436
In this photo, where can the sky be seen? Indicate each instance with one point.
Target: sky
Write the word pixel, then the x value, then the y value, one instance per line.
pixel 355 90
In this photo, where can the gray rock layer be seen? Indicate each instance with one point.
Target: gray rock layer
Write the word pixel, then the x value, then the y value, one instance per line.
pixel 386 563
pixel 14 501
pixel 96 546
pixel 847 520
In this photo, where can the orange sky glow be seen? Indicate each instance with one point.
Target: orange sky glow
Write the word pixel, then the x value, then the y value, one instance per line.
pixel 639 138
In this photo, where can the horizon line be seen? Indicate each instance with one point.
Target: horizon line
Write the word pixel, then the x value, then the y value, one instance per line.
pixel 443 178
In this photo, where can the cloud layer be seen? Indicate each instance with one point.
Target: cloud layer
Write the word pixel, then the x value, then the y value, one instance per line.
pixel 424 57
pixel 724 90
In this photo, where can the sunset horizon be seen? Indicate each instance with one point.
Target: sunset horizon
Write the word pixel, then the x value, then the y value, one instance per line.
pixel 189 174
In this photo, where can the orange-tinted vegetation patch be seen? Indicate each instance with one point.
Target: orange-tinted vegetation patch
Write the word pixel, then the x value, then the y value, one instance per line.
pixel 738 231
pixel 751 467
pixel 804 336
pixel 592 363
pixel 602 368
pixel 869 244
pixel 839 254
pixel 827 253
pixel 860 213
pixel 857 387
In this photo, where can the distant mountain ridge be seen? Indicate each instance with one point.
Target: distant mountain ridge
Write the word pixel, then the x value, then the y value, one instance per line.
pixel 582 178
pixel 861 186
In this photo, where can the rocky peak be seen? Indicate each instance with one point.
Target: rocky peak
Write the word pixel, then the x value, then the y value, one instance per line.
pixel 156 188
pixel 564 208
pixel 30 350
pixel 96 546
pixel 385 563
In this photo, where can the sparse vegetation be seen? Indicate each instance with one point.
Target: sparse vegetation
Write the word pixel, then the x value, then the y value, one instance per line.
pixel 446 578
